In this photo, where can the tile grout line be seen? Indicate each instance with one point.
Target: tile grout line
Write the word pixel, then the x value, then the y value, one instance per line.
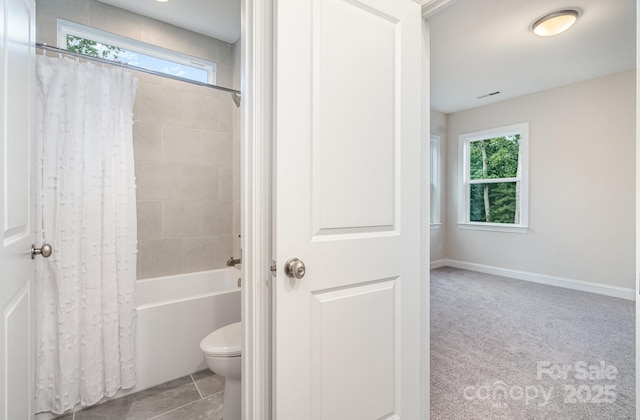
pixel 173 409
pixel 196 384
pixel 177 408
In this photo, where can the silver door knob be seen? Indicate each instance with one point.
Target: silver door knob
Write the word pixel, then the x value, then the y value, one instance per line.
pixel 294 268
pixel 46 250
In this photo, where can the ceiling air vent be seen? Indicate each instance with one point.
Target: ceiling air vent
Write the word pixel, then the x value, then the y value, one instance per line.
pixel 489 94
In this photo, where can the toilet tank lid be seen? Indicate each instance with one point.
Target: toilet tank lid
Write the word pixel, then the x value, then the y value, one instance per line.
pixel 225 341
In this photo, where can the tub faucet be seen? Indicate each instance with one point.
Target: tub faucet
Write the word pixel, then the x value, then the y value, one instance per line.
pixel 233 261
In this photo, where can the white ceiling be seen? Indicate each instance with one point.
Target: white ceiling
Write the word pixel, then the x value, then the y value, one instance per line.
pixel 218 19
pixel 483 46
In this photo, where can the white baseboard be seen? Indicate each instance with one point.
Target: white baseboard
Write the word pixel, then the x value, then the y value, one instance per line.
pixel 438 263
pixel 585 286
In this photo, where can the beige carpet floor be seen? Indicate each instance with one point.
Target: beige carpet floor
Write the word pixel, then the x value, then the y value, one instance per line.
pixel 510 349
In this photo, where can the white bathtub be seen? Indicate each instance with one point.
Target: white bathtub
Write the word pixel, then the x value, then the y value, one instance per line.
pixel 174 314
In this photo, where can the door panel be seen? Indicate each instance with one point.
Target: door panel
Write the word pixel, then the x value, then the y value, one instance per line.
pixel 351 193
pixel 17 72
pixel 346 335
pixel 342 355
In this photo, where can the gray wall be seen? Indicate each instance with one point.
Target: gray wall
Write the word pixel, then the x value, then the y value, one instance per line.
pixel 582 183
pixel 186 140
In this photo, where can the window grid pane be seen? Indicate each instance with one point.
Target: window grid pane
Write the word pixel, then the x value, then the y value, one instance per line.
pixel 494 157
pixel 494 202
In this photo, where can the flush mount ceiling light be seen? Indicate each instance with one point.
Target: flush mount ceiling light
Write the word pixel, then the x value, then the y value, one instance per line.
pixel 162 1
pixel 554 23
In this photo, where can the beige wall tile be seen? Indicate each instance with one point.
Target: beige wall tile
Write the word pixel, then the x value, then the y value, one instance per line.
pixel 217 217
pixel 236 245
pixel 225 53
pixel 158 33
pixel 208 48
pixel 236 217
pixel 181 86
pixel 146 141
pixel 217 148
pixel 159 181
pixel 73 10
pixel 181 145
pixel 201 253
pixel 220 94
pixel 147 78
pixel 226 59
pixel 46 29
pixel 226 250
pixel 199 111
pixel 236 121
pixel 236 183
pixel 181 219
pixel 225 184
pixel 236 150
pixel 224 75
pixel 158 104
pixel 115 20
pixel 170 37
pixel 225 121
pixel 200 183
pixel 160 257
pixel 149 220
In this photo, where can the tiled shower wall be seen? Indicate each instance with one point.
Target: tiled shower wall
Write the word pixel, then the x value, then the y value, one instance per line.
pixel 184 154
pixel 186 142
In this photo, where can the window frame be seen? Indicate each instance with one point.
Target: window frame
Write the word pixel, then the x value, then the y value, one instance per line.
pixel 435 192
pixel 465 141
pixel 65 28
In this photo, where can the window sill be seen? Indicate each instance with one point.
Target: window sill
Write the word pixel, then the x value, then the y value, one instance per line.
pixel 435 226
pixel 494 227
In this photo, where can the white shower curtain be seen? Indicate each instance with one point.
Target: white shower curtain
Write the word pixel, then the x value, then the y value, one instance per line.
pixel 85 208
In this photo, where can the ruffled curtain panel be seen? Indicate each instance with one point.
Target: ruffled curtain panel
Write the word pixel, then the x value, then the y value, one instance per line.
pixel 85 208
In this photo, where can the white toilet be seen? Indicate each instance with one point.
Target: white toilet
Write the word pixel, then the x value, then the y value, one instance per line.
pixel 222 353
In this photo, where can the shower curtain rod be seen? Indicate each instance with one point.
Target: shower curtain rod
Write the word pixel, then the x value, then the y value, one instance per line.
pixel 234 93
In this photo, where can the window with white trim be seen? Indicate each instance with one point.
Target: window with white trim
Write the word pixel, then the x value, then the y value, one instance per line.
pixel 90 41
pixel 495 179
pixel 435 179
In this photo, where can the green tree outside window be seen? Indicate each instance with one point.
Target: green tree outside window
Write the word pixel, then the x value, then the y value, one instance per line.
pixel 94 49
pixel 493 159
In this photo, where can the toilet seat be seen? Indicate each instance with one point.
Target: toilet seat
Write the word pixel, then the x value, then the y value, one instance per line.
pixel 223 342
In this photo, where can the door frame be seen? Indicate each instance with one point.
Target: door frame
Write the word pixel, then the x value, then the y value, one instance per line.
pixel 256 152
pixel 257 218
pixel 425 229
pixel 637 271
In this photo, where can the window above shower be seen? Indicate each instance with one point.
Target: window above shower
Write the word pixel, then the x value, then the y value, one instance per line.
pixel 94 42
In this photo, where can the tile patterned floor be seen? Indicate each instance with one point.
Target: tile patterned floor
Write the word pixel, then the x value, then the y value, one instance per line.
pixel 196 396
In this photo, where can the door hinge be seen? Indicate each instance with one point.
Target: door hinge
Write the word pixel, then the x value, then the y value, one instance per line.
pixel 273 268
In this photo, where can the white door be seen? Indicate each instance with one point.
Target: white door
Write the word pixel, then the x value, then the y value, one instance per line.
pixel 17 73
pixel 347 136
